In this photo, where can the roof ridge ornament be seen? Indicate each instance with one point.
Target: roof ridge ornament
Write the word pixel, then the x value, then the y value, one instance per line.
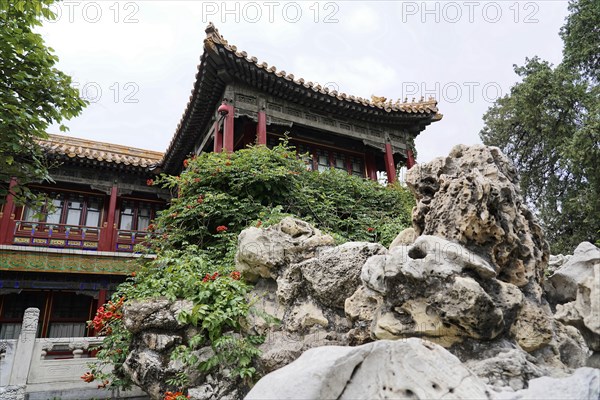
pixel 213 37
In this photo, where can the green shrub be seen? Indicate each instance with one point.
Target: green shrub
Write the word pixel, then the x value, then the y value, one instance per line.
pixel 217 196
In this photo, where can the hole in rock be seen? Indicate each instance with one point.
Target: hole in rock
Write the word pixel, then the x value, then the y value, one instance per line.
pixel 416 253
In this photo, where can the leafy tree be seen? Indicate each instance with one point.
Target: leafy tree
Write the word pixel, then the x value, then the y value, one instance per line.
pixel 581 35
pixel 33 94
pixel 549 124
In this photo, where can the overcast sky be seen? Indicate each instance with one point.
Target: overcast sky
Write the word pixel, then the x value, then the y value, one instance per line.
pixel 136 60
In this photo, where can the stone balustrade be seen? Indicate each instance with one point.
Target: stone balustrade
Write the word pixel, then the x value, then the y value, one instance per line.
pixel 35 368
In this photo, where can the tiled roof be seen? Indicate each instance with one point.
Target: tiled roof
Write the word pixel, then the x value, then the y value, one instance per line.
pixel 220 62
pixel 213 37
pixel 72 147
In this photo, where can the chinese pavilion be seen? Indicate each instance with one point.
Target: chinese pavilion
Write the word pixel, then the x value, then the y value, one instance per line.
pixel 237 101
pixel 67 261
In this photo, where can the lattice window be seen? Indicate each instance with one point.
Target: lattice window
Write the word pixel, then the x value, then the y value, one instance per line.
pixel 339 161
pixel 358 168
pixel 322 160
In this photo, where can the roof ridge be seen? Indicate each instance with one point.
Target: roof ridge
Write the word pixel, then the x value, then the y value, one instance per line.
pixel 214 38
pixel 79 148
pixel 97 145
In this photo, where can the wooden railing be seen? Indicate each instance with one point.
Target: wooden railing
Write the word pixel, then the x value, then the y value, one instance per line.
pixel 56 235
pixel 42 234
pixel 126 240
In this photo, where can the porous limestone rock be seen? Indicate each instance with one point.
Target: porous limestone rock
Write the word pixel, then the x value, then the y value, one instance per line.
pixel 439 290
pixel 584 312
pixel 215 388
pixel 360 308
pixel 411 368
pixel 509 368
pixel 141 315
pixel 290 241
pixel 305 287
pixel 472 198
pixel 156 332
pixel 160 342
pixel 145 368
pixel 533 327
pixel 556 261
pixel 334 275
pixel 584 383
pixel 562 285
pixel 404 238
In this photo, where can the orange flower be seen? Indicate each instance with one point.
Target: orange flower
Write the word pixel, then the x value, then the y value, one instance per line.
pixel 88 377
pixel 370 230
pixel 174 395
pixel 185 163
pixel 235 275
pixel 200 199
pixel 149 182
pixel 133 274
pixel 221 228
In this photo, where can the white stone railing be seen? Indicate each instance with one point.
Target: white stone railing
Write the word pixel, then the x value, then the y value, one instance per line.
pixel 52 367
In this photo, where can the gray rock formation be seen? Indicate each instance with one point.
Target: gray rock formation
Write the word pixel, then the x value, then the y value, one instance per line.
pixel 411 368
pixel 416 369
pixel 262 251
pixel 156 332
pixel 305 287
pixel 472 198
pixel 468 276
pixel 556 261
pixel 562 285
pixel 584 383
pixel 584 312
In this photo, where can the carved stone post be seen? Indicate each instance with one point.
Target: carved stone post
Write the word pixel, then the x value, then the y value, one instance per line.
pixel 24 350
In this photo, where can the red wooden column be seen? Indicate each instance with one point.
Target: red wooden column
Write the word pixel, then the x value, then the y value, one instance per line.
pixel 261 128
pixel 8 217
pixel 218 146
pixel 101 297
pixel 390 167
pixel 371 166
pixel 228 129
pixel 108 235
pixel 410 159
